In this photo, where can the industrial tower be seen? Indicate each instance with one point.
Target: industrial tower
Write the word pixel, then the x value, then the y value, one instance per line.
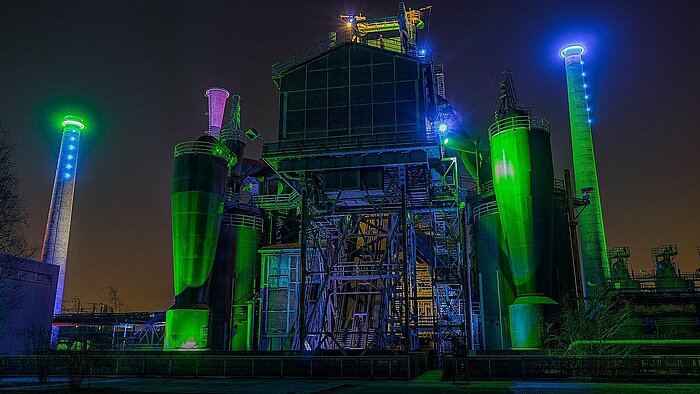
pixel 593 245
pixel 55 250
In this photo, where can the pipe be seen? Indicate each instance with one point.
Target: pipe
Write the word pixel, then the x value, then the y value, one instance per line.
pixel 217 104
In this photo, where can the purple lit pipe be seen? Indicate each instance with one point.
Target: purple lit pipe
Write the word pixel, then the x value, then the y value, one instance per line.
pixel 217 104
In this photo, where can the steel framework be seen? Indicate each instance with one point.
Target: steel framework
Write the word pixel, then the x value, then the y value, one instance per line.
pixel 382 269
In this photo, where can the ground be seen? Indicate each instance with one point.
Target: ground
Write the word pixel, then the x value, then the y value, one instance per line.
pixel 427 383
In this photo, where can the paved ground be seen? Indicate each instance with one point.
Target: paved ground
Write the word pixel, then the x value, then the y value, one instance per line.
pixel 428 383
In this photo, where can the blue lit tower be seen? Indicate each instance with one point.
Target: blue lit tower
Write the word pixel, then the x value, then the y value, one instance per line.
pixel 593 245
pixel 55 248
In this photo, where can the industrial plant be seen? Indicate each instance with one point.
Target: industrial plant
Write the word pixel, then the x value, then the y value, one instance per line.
pixel 377 222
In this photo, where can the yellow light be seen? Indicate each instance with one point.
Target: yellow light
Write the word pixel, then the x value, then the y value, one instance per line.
pixel 349 24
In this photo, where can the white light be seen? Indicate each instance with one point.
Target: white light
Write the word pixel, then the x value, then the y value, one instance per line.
pixel 581 61
pixel 583 74
pixel 67 175
pixel 586 96
pixel 589 121
pixel 588 109
pixel 442 127
pixel 72 123
pixel 68 166
pixel 69 157
pixel 585 86
pixel 72 138
pixel 71 147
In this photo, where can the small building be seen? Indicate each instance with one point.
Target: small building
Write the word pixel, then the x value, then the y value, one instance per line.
pixel 31 289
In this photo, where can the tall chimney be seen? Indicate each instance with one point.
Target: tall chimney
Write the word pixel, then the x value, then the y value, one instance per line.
pixel 55 250
pixel 593 244
pixel 217 103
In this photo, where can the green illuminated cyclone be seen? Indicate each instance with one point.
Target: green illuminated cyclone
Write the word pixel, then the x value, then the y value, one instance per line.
pixel 523 179
pixel 591 228
pixel 197 208
pixel 196 223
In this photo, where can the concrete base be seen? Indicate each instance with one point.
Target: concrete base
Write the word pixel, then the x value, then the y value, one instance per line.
pixel 187 329
pixel 526 314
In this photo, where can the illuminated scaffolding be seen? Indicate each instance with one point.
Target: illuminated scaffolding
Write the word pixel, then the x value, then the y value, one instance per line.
pixel 380 258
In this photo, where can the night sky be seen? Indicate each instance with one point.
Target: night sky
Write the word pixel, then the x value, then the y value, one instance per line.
pixel 137 71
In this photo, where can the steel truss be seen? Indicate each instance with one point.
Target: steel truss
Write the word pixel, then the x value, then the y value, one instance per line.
pixel 383 269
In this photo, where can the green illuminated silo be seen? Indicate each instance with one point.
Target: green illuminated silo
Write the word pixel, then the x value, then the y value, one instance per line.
pixel 593 245
pixel 235 284
pixel 495 279
pixel 197 207
pixel 523 179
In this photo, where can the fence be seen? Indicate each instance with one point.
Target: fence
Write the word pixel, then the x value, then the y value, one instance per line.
pixel 540 367
pixel 204 365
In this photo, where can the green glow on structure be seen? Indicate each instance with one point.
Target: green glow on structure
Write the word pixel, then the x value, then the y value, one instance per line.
pixel 246 254
pixel 196 223
pixel 523 179
pixel 593 245
pixel 70 120
pixel 186 329
pixel 197 208
pixel 572 49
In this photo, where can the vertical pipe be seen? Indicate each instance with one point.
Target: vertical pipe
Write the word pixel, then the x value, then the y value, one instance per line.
pixel 55 248
pixel 592 230
pixel 302 268
pixel 404 230
pixel 573 234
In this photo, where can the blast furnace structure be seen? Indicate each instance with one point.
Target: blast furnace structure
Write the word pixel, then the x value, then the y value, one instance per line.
pixel 375 222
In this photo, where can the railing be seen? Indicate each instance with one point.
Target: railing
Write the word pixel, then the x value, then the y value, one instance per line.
pixel 529 122
pixel 485 209
pixel 278 201
pixel 238 220
pixel 487 187
pixel 233 135
pixel 203 147
pixel 194 364
pixel 631 367
pixel 367 142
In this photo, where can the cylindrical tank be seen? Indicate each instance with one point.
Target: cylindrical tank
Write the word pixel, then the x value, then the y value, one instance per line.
pixel 496 282
pixel 240 242
pixel 523 180
pixel 197 206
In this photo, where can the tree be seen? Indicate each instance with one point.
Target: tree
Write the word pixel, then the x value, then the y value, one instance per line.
pixel 37 343
pixel 586 326
pixel 14 243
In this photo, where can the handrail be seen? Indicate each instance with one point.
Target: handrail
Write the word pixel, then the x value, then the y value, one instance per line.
pixel 238 220
pixel 204 147
pixel 278 201
pixel 487 187
pixel 485 209
pixel 345 143
pixel 521 121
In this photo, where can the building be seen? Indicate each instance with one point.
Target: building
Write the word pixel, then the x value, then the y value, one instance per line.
pixel 32 288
